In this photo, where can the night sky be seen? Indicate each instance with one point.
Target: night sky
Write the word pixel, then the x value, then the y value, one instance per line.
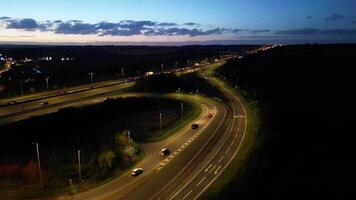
pixel 178 22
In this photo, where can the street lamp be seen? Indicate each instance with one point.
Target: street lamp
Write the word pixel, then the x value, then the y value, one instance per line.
pixel 128 136
pixel 181 109
pixel 91 74
pixel 47 78
pixel 160 121
pixel 122 73
pixel 79 167
pixel 39 163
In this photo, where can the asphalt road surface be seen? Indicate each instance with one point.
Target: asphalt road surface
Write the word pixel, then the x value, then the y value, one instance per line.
pixel 198 156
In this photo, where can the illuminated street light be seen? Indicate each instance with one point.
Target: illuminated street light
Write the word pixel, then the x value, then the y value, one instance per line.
pixel 39 163
pixel 91 74
pixel 160 121
pixel 47 78
pixel 79 167
pixel 181 109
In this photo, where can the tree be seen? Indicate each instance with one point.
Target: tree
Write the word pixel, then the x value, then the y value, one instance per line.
pixel 106 160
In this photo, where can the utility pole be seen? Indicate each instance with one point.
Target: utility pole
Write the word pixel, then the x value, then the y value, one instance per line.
pixel 79 167
pixel 160 121
pixel 181 109
pixel 22 87
pixel 91 77
pixel 122 73
pixel 128 136
pixel 39 164
pixel 47 82
pixel 162 67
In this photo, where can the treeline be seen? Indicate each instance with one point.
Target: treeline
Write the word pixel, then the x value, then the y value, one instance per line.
pixel 303 92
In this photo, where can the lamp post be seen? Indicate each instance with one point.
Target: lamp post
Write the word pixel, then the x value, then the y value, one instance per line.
pixel 162 67
pixel 128 136
pixel 181 109
pixel 79 167
pixel 122 73
pixel 160 121
pixel 39 163
pixel 91 74
pixel 47 78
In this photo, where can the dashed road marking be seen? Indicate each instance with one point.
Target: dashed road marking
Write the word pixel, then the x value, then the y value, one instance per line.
pixel 208 167
pixel 187 194
pixel 212 169
pixel 200 181
pixel 222 157
pixel 216 171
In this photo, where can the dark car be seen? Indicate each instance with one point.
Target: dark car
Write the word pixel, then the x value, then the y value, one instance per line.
pixel 210 115
pixel 164 152
pixel 44 103
pixel 136 172
pixel 195 126
pixel 11 103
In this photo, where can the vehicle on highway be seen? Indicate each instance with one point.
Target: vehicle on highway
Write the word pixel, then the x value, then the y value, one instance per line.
pixel 44 103
pixel 210 115
pixel 195 126
pixel 137 171
pixel 164 152
pixel 11 103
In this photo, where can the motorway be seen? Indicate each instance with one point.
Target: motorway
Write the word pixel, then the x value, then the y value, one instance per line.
pixel 198 156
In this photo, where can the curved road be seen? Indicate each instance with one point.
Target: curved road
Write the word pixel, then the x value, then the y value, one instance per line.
pixel 198 156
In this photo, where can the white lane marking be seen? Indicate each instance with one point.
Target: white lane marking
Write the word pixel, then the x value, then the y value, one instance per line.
pixel 208 167
pixel 188 194
pixel 238 148
pixel 227 150
pixel 200 181
pixel 212 169
pixel 216 171
pixel 236 135
pixel 232 142
pixel 222 157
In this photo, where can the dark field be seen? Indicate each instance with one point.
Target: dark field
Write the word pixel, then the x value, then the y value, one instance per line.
pixel 304 95
pixel 95 130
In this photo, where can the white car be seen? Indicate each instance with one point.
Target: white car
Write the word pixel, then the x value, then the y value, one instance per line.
pixel 136 172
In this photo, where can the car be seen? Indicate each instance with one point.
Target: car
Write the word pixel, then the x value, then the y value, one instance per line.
pixel 136 171
pixel 44 103
pixel 210 115
pixel 195 126
pixel 164 152
pixel 11 103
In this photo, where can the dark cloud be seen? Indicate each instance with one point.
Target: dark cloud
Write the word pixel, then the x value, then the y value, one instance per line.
pixel 27 24
pixel 75 27
pixel 260 31
pixel 313 31
pixel 304 31
pixel 167 24
pixel 4 18
pixel 191 24
pixel 334 17
pixel 185 31
pixel 309 17
pixel 237 31
pixel 343 32
pixel 121 28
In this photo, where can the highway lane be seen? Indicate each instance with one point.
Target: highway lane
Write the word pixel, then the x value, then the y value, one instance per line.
pixel 199 161
pixel 152 161
pixel 59 92
pixel 18 112
pixel 222 157
pixel 192 174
